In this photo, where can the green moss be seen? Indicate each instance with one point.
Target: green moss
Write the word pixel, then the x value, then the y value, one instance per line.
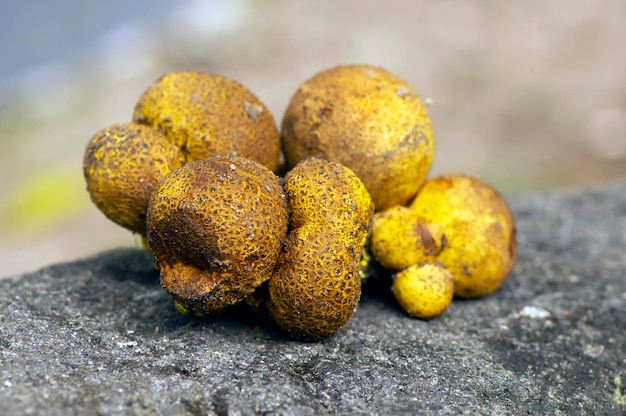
pixel 43 198
pixel 183 310
pixel 619 397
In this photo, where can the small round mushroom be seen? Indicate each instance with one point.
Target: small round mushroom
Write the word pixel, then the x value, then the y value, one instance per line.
pixel 424 290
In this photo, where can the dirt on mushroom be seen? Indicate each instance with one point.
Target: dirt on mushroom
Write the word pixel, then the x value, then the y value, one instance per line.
pixel 216 227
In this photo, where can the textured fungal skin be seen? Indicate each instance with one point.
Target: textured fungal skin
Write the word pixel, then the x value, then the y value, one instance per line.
pixel 206 114
pixel 424 290
pixel 367 119
pixel 459 221
pixel 316 285
pixel 122 166
pixel 216 227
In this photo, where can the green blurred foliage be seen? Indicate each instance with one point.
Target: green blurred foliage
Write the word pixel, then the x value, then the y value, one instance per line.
pixel 43 199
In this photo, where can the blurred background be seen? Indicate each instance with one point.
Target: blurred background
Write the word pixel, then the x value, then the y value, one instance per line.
pixel 528 95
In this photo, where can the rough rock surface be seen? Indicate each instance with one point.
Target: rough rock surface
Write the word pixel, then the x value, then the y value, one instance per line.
pixel 99 336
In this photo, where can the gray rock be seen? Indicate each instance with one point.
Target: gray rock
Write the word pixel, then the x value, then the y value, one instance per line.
pixel 99 336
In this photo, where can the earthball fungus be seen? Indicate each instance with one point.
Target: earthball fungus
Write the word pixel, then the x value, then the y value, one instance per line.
pixel 458 221
pixel 367 119
pixel 423 290
pixel 207 114
pixel 122 166
pixel 316 285
pixel 195 173
pixel 216 227
pixel 473 232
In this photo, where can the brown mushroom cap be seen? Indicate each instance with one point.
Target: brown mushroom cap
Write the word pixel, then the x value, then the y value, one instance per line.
pixel 216 227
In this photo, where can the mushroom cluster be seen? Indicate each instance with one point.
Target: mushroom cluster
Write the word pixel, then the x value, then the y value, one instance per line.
pixel 451 235
pixel 457 222
pixel 196 174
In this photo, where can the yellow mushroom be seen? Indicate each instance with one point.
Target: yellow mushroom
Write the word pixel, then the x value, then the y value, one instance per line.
pixel 456 220
pixel 477 231
pixel 206 114
pixel 122 166
pixel 400 238
pixel 367 119
pixel 317 283
pixel 423 290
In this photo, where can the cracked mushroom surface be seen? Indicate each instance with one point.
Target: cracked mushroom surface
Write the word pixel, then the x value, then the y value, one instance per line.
pixel 216 227
pixel 206 114
pixel 316 285
pixel 122 166
pixel 367 119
